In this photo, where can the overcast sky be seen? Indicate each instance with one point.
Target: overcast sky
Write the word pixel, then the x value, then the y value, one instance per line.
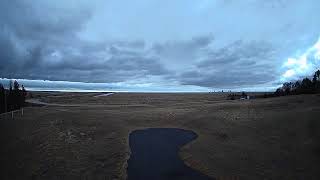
pixel 159 45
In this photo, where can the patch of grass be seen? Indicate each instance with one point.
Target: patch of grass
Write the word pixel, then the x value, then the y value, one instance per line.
pixel 314 130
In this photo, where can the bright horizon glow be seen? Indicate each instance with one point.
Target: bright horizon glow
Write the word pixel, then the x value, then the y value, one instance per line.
pixel 303 64
pixel 289 73
pixel 67 86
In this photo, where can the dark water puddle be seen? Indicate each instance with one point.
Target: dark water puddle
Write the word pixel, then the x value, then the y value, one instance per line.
pixel 154 155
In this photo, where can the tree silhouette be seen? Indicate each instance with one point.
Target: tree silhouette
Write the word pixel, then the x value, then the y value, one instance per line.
pixel 2 99
pixel 24 95
pixel 306 86
pixel 12 98
pixel 316 81
pixel 287 87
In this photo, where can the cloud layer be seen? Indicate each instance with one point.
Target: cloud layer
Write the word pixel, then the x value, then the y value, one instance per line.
pixel 198 44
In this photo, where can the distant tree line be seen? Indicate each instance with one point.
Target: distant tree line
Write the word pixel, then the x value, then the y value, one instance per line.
pixel 305 86
pixel 12 98
pixel 234 96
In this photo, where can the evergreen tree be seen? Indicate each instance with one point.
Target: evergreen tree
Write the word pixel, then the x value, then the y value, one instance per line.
pixel 2 99
pixel 16 95
pixel 316 81
pixel 305 86
pixel 10 98
pixel 287 87
pixel 296 87
pixel 24 95
pixel 13 98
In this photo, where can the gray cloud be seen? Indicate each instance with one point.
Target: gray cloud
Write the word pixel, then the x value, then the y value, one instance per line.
pixel 201 43
pixel 43 44
pixel 243 53
pixel 180 54
pixel 238 64
pixel 94 65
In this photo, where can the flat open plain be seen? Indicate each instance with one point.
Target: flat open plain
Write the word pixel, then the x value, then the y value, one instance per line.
pixel 85 136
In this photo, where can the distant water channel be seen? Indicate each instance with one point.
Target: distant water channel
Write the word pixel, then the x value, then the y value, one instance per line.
pixel 154 155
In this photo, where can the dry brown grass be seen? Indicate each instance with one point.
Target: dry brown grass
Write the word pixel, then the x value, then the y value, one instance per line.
pixel 275 138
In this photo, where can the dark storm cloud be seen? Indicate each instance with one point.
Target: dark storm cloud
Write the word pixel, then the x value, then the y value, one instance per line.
pixel 238 64
pixel 218 43
pixel 183 46
pixel 182 50
pixel 7 52
pixel 92 65
pixel 42 43
pixel 231 79
pixel 28 31
pixel 243 53
pixel 40 20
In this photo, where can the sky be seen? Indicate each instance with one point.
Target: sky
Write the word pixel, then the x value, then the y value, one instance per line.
pixel 158 45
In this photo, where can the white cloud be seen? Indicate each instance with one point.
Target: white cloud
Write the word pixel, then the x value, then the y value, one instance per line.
pixel 289 73
pixel 304 64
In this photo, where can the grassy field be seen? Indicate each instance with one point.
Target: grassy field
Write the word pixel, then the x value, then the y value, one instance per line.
pixel 80 136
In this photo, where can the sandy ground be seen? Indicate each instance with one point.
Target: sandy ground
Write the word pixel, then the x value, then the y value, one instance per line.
pixel 80 136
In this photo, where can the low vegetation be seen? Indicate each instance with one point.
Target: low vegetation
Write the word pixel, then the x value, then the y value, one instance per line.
pixel 305 86
pixel 12 98
pixel 235 96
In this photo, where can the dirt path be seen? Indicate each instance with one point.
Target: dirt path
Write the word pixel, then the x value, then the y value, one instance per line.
pixel 103 95
pixel 38 102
